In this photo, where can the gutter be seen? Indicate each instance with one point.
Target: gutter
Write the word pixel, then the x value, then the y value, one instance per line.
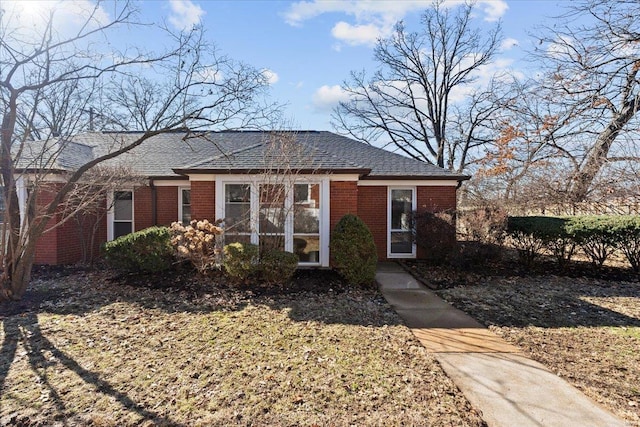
pixel 154 202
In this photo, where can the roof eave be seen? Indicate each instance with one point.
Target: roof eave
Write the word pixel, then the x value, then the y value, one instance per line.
pixel 362 172
pixel 458 178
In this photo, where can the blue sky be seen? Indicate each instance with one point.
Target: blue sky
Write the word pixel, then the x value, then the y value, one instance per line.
pixel 309 47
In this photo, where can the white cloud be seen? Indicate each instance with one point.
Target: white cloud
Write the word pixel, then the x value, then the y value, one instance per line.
pixel 493 9
pixel 509 43
pixel 185 15
pixel 327 97
pixel 271 76
pixel 356 34
pixel 375 19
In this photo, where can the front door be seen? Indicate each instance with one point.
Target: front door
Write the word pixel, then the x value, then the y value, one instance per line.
pixel 400 235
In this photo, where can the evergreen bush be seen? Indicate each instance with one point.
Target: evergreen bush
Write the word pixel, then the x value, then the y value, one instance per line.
pixel 240 260
pixel 147 250
pixel 353 251
pixel 276 266
pixel 598 236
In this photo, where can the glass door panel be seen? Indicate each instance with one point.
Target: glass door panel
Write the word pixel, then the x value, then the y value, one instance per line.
pixel 400 227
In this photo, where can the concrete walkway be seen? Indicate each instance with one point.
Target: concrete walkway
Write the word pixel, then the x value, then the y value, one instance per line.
pixel 506 387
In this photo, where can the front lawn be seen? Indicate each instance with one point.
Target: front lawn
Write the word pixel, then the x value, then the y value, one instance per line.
pixel 84 350
pixel 586 330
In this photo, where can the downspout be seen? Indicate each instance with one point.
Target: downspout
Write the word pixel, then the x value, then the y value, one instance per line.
pixel 154 202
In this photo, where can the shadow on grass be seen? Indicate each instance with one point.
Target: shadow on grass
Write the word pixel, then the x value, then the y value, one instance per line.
pixel 317 297
pixel 26 329
pixel 548 303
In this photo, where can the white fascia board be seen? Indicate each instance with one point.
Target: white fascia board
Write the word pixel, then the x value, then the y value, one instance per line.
pixel 343 177
pixel 171 183
pixel 202 177
pixel 410 183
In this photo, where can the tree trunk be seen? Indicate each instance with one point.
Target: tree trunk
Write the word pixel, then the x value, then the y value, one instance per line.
pixel 16 286
pixel 597 156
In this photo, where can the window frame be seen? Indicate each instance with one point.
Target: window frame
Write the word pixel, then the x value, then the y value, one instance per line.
pixel 181 203
pixel 391 230
pixel 254 182
pixel 111 212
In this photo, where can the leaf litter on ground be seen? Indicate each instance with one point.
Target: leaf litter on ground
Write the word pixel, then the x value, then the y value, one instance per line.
pixel 84 349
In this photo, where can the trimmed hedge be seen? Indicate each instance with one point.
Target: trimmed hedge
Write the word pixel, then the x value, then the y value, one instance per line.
pixel 353 251
pixel 240 260
pixel 147 250
pixel 597 236
pixel 277 267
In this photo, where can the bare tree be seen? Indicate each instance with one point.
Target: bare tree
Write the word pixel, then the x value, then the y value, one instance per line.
pixel 412 103
pixel 580 113
pixel 189 86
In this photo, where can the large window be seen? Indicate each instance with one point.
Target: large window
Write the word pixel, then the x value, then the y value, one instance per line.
pixel 306 222
pixel 276 216
pixel 237 208
pixel 122 213
pixel 185 205
pixel 401 206
pixel 272 216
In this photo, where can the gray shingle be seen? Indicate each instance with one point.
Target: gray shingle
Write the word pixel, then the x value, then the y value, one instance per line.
pixel 162 155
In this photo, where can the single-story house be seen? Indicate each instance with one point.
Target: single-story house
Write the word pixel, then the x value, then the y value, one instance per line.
pixel 288 189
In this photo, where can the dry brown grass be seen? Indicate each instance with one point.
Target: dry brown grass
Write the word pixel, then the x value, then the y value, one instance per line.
pixel 86 351
pixel 585 330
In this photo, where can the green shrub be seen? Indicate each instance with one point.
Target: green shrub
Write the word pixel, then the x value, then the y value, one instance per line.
pixel 353 251
pixel 277 267
pixel 627 230
pixel 598 237
pixel 147 250
pixel 530 235
pixel 594 235
pixel 240 260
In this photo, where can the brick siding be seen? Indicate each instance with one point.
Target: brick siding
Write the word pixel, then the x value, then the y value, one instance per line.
pixel 63 244
pixel 372 209
pixel 67 243
pixel 203 200
pixel 343 200
pixel 166 206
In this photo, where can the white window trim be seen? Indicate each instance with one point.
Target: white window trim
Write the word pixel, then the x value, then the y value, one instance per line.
pixel 254 181
pixel 184 187
pixel 111 213
pixel 413 189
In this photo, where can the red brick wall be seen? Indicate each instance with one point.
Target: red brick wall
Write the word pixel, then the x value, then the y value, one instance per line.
pixel 65 244
pixel 372 208
pixel 47 244
pixel 436 199
pixel 203 200
pixel 167 205
pixel 343 198
pixel 142 208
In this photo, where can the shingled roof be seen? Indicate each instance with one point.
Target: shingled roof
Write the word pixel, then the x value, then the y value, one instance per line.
pixel 172 154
